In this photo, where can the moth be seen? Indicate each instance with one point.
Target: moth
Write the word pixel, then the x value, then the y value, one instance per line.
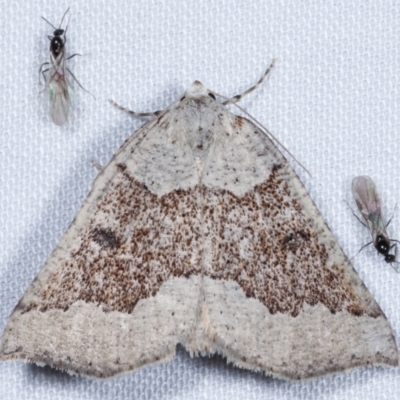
pixel 198 232
pixel 368 202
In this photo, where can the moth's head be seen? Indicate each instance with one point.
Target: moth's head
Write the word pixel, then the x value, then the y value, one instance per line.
pixel 197 90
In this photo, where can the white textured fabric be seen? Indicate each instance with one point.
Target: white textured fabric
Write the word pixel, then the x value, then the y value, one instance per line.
pixel 333 100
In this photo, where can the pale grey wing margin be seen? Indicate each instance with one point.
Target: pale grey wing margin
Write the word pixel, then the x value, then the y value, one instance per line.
pixel 122 287
pixel 280 296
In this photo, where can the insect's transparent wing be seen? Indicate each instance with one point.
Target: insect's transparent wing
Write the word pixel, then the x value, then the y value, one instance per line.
pixel 59 99
pixel 59 90
pixel 368 202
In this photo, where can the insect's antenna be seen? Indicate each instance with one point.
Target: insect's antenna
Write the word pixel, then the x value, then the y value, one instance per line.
pixel 63 19
pixel 49 23
pixel 66 28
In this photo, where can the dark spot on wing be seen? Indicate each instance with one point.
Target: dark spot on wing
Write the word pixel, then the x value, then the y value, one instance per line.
pixel 294 240
pixel 105 238
pixel 238 122
pixel 276 167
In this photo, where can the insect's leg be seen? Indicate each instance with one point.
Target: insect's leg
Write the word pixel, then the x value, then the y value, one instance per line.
pixel 42 72
pixel 390 220
pixel 395 258
pixel 355 214
pixel 73 55
pixel 44 76
pixel 76 80
pixel 359 251
pixel 391 264
pixel 394 267
pixel 55 66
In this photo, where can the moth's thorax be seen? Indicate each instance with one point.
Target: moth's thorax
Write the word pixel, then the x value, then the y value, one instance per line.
pixel 203 127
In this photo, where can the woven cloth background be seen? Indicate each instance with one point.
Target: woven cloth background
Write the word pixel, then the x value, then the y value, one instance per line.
pixel 333 100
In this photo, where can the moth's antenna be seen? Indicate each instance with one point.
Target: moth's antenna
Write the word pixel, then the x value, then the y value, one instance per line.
pixel 233 100
pixel 240 96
